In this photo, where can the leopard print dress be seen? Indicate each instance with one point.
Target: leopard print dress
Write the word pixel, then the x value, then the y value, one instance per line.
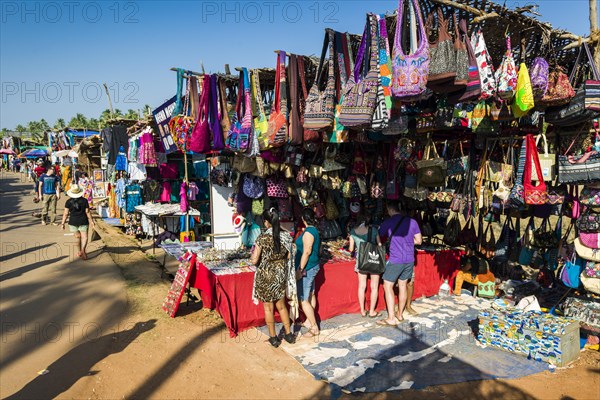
pixel 271 272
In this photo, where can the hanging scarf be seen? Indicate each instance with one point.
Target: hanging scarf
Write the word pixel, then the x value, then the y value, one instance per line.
pixel 291 290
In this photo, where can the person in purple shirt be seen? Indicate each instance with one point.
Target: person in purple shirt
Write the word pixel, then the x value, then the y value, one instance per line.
pixel 403 233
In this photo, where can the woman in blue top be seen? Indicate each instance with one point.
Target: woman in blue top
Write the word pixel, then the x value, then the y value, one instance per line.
pixel 308 245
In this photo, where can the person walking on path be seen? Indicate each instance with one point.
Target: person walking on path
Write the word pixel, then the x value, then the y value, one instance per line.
pixel 77 209
pixel 49 193
pixel 403 234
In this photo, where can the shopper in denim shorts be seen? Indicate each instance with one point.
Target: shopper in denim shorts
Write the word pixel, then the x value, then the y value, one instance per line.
pixel 403 233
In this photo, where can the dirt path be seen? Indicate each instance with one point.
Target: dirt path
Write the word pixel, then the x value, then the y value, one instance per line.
pixel 148 355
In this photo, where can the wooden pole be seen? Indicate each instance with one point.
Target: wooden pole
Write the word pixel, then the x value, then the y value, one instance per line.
pixel 594 32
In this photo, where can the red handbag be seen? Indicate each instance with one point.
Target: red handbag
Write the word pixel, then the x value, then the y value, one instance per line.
pixel 533 194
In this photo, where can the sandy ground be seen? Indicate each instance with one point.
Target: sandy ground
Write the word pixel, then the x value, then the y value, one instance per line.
pixel 135 351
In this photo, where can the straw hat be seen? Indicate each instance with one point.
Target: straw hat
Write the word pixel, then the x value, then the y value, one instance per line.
pixel 75 192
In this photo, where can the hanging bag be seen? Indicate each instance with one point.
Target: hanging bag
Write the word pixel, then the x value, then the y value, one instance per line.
pixel 442 66
pixel 473 81
pixel 506 75
pixel 277 131
pixel 383 110
pixel 309 135
pixel 533 194
pixel 238 138
pixel 261 124
pixel 539 78
pixel 295 126
pixel 452 231
pixel 360 92
pixel 517 193
pixel 216 127
pixel 410 71
pixel 485 65
pixel 432 169
pixel 547 162
pixel 462 59
pixel 318 113
pixel 523 101
pixel 223 108
pixel 579 169
pixel 560 91
pixel 200 140
pixel 339 133
pixel 585 105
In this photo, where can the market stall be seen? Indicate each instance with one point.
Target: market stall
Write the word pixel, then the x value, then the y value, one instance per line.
pixel 488 139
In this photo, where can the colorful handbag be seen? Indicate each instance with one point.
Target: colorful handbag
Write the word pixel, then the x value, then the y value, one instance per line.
pixel 309 135
pixel 460 165
pixel 383 109
pixel 523 101
pixel 261 124
pixel 517 193
pixel 253 186
pixel 586 103
pixel 580 169
pixel 473 80
pixel 485 65
pixel 360 92
pixel 547 162
pixel 442 64
pixel 506 75
pixel 339 133
pixel 238 137
pixel 539 77
pixel 533 194
pixel 277 131
pixel 403 150
pixel 560 91
pixel 410 72
pixel 277 188
pixel 320 105
pixel 590 197
pixel 200 140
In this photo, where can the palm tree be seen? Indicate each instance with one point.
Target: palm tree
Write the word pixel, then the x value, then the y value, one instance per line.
pixel 132 114
pixel 20 129
pixel 4 132
pixel 79 121
pixel 118 113
pixel 105 116
pixel 93 124
pixel 147 110
pixel 60 124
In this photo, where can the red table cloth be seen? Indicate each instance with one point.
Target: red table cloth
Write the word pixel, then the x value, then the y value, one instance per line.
pixel 336 289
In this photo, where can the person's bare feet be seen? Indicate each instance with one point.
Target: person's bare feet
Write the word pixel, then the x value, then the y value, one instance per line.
pixel 83 255
pixel 411 311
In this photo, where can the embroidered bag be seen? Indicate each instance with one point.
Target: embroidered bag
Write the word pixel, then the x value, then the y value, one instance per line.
pixel 309 135
pixel 383 110
pixel 278 129
pixel 319 110
pixel 533 194
pixel 586 103
pixel 339 133
pixel 238 138
pixel 409 71
pixel 506 75
pixel 539 77
pixel 261 124
pixel 296 132
pixel 485 65
pixel 560 91
pixel 590 197
pixel 442 64
pixel 517 193
pixel 431 172
pixel 360 92
pixel 403 150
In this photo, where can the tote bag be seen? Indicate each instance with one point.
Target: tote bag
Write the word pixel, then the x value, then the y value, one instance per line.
pixel 318 113
pixel 410 71
pixel 371 258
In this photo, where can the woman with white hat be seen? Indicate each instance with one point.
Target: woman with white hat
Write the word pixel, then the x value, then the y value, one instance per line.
pixel 77 209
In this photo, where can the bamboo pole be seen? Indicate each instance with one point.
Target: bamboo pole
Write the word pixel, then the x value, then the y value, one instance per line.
pixel 594 31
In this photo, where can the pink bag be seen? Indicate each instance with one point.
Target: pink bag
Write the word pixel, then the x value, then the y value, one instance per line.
pixel 590 240
pixel 410 72
pixel 200 140
pixel 276 188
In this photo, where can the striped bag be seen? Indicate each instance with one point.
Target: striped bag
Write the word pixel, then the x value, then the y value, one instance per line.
pixel 517 193
pixel 381 117
pixel 320 105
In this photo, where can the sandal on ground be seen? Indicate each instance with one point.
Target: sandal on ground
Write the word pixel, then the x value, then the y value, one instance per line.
pixel 412 312
pixel 385 322
pixel 377 314
pixel 275 341
pixel 311 334
pixel 363 314
pixel 290 338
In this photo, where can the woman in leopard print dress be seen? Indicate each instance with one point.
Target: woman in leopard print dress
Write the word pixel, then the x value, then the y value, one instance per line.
pixel 270 255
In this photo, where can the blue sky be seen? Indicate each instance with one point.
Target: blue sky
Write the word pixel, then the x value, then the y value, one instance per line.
pixel 55 55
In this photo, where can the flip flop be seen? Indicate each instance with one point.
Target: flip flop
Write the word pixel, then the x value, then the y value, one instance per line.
pixel 412 312
pixel 311 334
pixel 375 316
pixel 384 322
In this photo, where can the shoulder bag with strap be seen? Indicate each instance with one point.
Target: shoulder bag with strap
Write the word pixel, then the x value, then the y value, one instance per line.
pixel 410 71
pixel 371 258
pixel 261 124
pixel 200 140
pixel 360 92
pixel 216 127
pixel 320 105
pixel 309 135
pixel 238 138
pixel 295 125
pixel 278 130
pixel 485 65
pixel 533 194
pixel 339 133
